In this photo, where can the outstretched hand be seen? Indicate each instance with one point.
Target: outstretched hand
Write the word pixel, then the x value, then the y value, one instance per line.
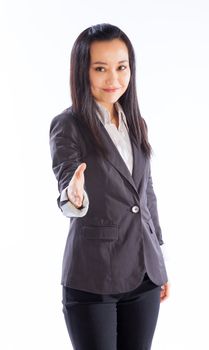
pixel 76 186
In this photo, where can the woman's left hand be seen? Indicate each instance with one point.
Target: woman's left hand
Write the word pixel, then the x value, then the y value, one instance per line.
pixel 165 291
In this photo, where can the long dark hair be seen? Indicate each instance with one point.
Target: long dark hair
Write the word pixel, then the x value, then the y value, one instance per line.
pixel 83 103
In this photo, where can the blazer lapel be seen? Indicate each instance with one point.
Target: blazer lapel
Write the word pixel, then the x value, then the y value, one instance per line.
pixel 139 163
pixel 118 163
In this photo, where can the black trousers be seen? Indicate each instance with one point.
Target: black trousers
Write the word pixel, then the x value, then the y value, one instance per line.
pixel 124 321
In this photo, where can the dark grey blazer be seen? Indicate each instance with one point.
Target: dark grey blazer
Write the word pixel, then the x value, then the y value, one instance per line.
pixel 110 248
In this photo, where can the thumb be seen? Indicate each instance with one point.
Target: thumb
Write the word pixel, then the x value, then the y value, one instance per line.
pixel 80 169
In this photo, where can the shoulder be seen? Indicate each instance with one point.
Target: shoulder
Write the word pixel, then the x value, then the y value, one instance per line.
pixel 65 123
pixel 66 117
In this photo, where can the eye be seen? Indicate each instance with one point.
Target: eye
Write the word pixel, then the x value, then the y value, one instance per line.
pixel 99 69
pixel 124 67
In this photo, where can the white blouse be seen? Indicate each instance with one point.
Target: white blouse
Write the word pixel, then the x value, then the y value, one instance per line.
pixel 119 136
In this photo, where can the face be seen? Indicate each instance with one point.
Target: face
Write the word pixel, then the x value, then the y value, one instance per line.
pixel 109 71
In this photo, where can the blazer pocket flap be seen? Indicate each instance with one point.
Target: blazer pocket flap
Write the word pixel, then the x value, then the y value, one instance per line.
pixel 100 232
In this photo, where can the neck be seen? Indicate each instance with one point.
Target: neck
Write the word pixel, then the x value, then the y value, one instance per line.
pixel 111 109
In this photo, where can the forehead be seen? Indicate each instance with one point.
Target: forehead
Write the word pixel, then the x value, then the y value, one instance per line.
pixel 107 51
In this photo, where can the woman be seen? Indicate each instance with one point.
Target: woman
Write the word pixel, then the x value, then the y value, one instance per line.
pixel 113 272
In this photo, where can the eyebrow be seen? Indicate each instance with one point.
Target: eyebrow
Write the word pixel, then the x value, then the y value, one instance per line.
pixel 99 62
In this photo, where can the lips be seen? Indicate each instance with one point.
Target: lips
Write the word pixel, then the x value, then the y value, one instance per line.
pixel 111 90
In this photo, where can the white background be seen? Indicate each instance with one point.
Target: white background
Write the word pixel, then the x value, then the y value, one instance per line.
pixel 172 51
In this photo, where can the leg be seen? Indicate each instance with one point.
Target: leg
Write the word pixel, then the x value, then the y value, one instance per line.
pixel 91 325
pixel 137 319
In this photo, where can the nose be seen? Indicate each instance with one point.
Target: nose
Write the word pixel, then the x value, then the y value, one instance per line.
pixel 112 78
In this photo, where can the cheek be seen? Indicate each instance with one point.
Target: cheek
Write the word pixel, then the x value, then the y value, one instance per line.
pixel 95 80
pixel 127 79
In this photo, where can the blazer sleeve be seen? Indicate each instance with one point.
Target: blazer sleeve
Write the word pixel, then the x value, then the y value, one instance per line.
pixel 65 151
pixel 152 206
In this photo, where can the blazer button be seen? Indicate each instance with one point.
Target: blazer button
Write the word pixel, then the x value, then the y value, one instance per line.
pixel 135 209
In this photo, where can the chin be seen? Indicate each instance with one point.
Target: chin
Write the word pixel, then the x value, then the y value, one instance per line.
pixel 113 99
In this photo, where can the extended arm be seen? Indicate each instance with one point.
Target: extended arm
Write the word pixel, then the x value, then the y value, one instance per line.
pixel 66 157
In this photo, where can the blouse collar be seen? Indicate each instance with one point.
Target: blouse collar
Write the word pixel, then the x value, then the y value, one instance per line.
pixel 104 114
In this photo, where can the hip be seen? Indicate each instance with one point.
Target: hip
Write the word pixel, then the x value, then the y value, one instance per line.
pixel 75 295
